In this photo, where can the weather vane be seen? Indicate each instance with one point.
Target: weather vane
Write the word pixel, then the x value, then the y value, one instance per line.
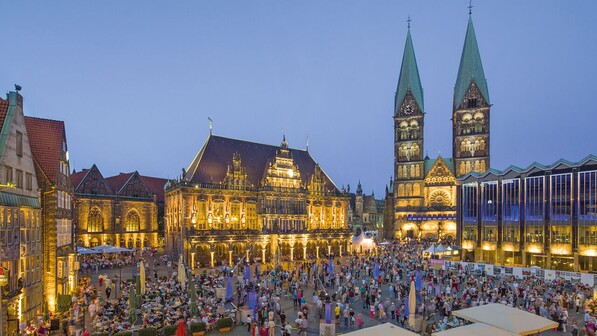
pixel 470 7
pixel 408 21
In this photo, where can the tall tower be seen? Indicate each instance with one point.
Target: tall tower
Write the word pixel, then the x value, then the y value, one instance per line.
pixel 408 132
pixel 470 118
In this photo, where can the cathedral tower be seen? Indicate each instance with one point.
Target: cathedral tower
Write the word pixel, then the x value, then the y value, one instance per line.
pixel 408 132
pixel 470 118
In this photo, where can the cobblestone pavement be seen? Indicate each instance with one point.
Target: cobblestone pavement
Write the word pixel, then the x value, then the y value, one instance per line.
pixel 286 303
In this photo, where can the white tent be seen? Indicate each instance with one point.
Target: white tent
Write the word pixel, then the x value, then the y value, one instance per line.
pixel 86 250
pixel 507 318
pixel 431 249
pixel 440 249
pixel 386 329
pixel 475 329
pixel 362 242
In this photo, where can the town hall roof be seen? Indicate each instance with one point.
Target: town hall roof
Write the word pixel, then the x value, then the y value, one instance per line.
pixel 46 137
pixel 211 163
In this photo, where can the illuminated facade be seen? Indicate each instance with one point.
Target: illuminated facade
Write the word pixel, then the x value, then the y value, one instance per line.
pixel 50 152
pixel 423 192
pixel 243 200
pixel 20 220
pixel 542 215
pixel 121 210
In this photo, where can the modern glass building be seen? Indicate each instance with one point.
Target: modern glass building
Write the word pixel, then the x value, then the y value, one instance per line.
pixel 542 216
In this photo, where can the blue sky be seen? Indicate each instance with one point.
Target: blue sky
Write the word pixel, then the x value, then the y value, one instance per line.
pixel 135 81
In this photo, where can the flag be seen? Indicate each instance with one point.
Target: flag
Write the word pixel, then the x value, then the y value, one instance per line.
pixel 328 313
pixel 376 270
pixel 418 283
pixel 247 273
pixel 228 288
pixel 330 266
pixel 252 300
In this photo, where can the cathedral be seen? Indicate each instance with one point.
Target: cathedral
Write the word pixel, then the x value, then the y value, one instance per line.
pixel 423 190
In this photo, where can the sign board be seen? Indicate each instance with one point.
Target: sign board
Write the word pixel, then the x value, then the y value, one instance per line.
pixel 3 277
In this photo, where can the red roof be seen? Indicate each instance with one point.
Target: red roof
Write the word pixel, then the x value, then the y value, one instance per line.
pixel 3 110
pixel 155 185
pixel 117 182
pixel 75 178
pixel 46 137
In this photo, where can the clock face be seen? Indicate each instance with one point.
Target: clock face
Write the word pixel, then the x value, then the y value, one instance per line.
pixel 408 109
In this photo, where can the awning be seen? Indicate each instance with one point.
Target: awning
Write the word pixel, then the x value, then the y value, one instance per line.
pixel 386 329
pixel 475 329
pixel 511 319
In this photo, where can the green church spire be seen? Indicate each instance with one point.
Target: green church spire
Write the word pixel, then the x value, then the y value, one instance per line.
pixel 409 76
pixel 471 68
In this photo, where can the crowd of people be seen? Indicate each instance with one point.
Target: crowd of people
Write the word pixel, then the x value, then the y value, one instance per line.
pixel 352 292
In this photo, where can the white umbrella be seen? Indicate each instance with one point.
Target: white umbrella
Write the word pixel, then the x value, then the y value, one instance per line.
pixel 412 304
pixel 181 272
pixel 142 276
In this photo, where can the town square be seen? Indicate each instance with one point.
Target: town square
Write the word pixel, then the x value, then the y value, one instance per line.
pixel 283 168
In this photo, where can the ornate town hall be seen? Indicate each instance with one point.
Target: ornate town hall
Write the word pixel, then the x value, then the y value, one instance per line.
pixel 244 200
pixel 424 189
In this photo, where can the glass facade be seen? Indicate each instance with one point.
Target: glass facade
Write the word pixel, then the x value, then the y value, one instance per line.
pixel 548 219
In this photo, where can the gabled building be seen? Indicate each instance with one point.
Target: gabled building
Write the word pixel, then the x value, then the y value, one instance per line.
pixel 20 220
pixel 423 192
pixel 365 212
pixel 121 210
pixel 50 152
pixel 244 200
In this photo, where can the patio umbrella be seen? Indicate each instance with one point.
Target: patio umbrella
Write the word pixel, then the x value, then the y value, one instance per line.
pixel 412 304
pixel 181 331
pixel 142 277
pixel 132 311
pixel 181 272
pixel 192 294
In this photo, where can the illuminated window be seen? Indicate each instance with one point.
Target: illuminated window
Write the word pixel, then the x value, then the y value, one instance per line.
pixel 132 221
pixel 96 221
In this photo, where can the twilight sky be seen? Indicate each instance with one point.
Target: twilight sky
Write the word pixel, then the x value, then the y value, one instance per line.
pixel 135 81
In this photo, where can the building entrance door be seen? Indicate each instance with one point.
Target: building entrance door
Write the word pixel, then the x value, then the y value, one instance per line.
pixel 410 234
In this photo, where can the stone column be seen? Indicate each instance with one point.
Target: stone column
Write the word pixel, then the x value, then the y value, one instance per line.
pixel 317 252
pixel 247 257
pixel 211 262
pixel 305 252
pixel 192 261
pixel 292 254
pixel 524 258
pixel 575 269
pixel 230 258
pixel 329 250
pixel 548 264
pixel 340 254
pixel 263 255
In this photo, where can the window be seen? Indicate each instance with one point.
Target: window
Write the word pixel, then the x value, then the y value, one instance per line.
pixel 29 182
pixel 19 144
pixel 132 221
pixel 19 181
pixel 8 175
pixel 96 221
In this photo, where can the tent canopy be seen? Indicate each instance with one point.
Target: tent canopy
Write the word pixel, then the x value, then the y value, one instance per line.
pixel 386 329
pixel 86 250
pixel 475 329
pixel 511 319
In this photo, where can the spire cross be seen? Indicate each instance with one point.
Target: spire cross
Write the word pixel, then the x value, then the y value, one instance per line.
pixel 470 7
pixel 408 21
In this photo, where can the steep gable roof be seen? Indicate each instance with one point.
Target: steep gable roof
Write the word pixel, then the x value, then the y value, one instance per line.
pixel 471 68
pixel 409 76
pixel 430 163
pixel 155 185
pixel 3 110
pixel 46 137
pixel 92 183
pixel 211 163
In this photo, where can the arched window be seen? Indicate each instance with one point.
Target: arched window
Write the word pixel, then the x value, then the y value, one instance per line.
pixel 132 221
pixel 416 189
pixel 399 171
pixel 462 168
pixel 482 165
pixel 418 170
pixel 400 190
pixel 409 190
pixel 468 166
pixel 96 221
